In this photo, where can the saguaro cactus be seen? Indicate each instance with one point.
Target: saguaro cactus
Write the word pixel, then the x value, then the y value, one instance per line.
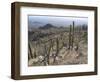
pixel 30 56
pixel 70 36
pixel 57 49
pixel 73 34
pixel 57 46
pixel 49 49
pixel 47 52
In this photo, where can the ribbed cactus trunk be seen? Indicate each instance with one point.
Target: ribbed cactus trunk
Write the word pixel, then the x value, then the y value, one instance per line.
pixel 79 35
pixel 57 50
pixel 45 55
pixel 30 56
pixel 77 41
pixel 57 41
pixel 70 36
pixel 73 34
pixel 48 53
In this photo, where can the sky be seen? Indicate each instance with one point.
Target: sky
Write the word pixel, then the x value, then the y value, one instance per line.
pixel 37 21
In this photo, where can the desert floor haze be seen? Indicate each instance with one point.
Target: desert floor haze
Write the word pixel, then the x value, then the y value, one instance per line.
pixel 50 43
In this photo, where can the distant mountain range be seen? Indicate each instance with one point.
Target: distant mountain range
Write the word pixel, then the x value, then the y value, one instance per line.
pixel 39 25
pixel 47 26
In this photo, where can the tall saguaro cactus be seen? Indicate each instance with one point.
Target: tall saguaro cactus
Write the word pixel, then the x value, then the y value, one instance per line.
pixel 70 36
pixel 73 34
pixel 49 49
pixel 47 52
pixel 30 56
pixel 57 50
pixel 57 41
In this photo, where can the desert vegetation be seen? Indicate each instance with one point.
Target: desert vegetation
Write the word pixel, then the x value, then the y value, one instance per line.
pixel 51 45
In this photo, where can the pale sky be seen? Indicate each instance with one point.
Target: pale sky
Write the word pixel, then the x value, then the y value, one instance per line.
pixel 37 21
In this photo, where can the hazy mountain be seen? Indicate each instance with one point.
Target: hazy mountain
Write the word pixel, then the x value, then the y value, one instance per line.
pixel 47 26
pixel 35 22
